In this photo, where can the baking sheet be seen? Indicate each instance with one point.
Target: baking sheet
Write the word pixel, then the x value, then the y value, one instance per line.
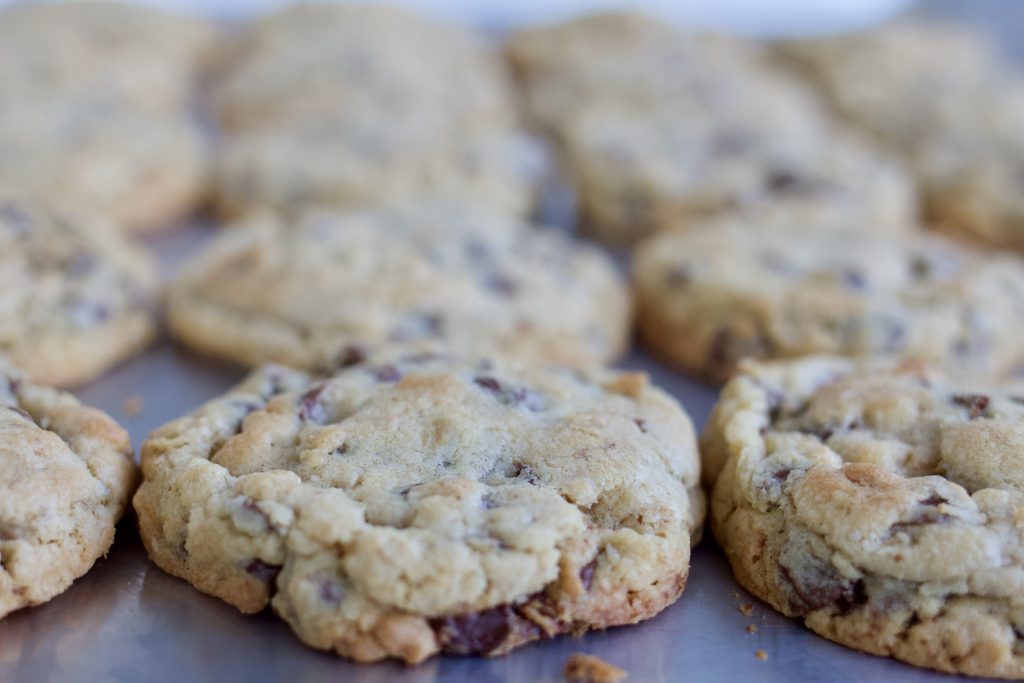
pixel 126 620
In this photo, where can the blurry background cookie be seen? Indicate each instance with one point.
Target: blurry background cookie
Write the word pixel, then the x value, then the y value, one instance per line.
pixel 304 289
pixel 66 472
pixel 731 289
pixel 75 296
pixel 940 96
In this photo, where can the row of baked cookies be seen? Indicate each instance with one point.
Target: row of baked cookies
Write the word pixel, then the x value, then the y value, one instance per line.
pixel 661 128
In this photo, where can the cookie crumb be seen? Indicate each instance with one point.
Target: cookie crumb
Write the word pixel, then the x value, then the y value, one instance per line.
pixel 581 668
pixel 751 628
pixel 746 609
pixel 132 405
pixel 761 654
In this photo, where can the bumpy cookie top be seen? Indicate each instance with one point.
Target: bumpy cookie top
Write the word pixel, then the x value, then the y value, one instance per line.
pixel 625 58
pixel 776 290
pixel 68 281
pixel 302 290
pixel 897 487
pixel 66 472
pixel 416 501
pixel 361 62
pixel 348 162
pixel 143 55
pixel 139 169
pixel 678 164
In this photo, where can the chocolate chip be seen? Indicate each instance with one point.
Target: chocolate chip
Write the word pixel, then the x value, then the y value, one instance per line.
pixel 818 586
pixel 310 407
pixel 351 355
pixel 786 181
pixel 80 263
pixel 921 520
pixel 679 275
pixel 483 632
pixel 522 472
pixel 975 403
pixel 920 267
pixel 331 592
pixel 587 574
pixel 21 413
pixel 387 373
pixel 853 279
pixel 934 500
pixel 86 312
pixel 500 284
pixel 262 571
pixel 640 424
pixel 16 217
pixel 340 450
pixel 488 383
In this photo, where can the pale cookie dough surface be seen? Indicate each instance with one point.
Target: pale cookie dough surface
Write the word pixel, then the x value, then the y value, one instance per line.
pixel 75 296
pixel 346 163
pixel 937 94
pixel 327 61
pixel 734 288
pixel 302 290
pixel 883 504
pixel 641 173
pixel 145 56
pixel 66 472
pixel 142 170
pixel 624 58
pixel 417 503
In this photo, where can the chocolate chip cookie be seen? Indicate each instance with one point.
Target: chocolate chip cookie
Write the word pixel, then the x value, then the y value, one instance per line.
pixel 144 57
pixel 341 162
pixel 66 472
pixel 328 62
pixel 955 119
pixel 624 58
pixel 75 297
pixel 416 502
pixel 639 173
pixel 142 170
pixel 881 503
pixel 734 288
pixel 301 290
pixel 342 105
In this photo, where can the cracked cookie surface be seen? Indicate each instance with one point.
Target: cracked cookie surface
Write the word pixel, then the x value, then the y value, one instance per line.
pixel 881 503
pixel 417 503
pixel 67 472
pixel 75 296
pixel 299 291
pixel 734 288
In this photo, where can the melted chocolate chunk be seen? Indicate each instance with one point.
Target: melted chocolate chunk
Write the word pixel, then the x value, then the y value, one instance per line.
pixel 679 275
pixel 262 571
pixel 522 472
pixel 351 355
pixel 310 407
pixel 817 586
pixel 854 279
pixel 786 181
pixel 922 520
pixel 387 373
pixel 934 500
pixel 587 574
pixel 500 284
pixel 488 383
pixel 483 632
pixel 975 403
pixel 21 413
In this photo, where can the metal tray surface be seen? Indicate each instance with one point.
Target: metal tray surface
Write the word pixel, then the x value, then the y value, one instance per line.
pixel 126 620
